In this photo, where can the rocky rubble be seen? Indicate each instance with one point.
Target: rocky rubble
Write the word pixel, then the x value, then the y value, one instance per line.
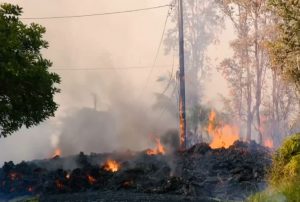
pixel 228 174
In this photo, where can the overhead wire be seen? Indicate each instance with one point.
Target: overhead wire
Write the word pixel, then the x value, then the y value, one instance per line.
pixel 95 14
pixel 121 68
pixel 163 110
pixel 157 51
pixel 73 68
pixel 170 78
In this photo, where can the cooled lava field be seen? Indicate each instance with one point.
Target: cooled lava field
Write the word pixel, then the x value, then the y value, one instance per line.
pixel 197 174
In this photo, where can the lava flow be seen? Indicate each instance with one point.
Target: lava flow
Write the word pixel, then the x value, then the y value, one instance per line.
pixel 223 136
pixel 160 149
pixel 111 166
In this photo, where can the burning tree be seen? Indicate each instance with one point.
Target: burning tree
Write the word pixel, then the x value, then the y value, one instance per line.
pixel 260 99
pixel 201 25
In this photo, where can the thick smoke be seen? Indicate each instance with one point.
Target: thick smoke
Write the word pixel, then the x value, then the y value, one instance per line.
pixel 124 117
pixel 118 120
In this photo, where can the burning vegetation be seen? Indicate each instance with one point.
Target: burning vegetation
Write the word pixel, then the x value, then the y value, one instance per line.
pixel 57 153
pixel 111 166
pixel 232 173
pixel 222 136
pixel 158 150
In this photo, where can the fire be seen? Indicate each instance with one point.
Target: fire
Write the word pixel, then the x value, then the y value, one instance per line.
pixel 111 166
pixel 91 179
pixel 59 184
pixel 30 189
pixel 57 153
pixel 224 136
pixel 160 149
pixel 13 176
pixel 268 143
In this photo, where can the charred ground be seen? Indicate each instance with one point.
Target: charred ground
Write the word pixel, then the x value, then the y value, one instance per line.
pixel 200 173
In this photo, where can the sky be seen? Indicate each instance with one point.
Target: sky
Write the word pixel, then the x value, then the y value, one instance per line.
pixel 118 41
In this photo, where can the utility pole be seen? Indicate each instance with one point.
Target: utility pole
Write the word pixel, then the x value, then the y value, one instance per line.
pixel 182 117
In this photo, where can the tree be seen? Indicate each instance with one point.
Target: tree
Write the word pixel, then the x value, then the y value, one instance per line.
pixel 285 50
pixel 260 99
pixel 27 87
pixel 202 24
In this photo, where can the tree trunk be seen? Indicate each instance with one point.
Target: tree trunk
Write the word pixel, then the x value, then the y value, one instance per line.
pixel 258 77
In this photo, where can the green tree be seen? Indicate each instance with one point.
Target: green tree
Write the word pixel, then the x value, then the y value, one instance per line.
pixel 26 87
pixel 285 50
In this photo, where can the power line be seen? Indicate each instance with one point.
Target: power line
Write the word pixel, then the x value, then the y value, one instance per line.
pixel 65 68
pixel 157 51
pixel 170 79
pixel 95 14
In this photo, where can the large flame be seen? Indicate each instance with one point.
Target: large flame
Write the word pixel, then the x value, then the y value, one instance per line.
pixel 223 136
pixel 111 166
pixel 57 153
pixel 160 149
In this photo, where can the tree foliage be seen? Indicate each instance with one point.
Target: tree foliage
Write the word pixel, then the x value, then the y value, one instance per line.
pixel 285 51
pixel 286 162
pixel 260 98
pixel 26 86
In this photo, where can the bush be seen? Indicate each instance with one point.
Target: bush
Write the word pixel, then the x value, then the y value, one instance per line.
pixel 284 175
pixel 286 162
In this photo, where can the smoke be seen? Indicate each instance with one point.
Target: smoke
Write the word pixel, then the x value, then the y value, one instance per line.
pixel 124 117
pixel 118 122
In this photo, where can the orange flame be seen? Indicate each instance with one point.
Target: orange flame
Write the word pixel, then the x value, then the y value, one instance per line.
pixel 224 136
pixel 111 166
pixel 57 152
pixel 268 143
pixel 91 179
pixel 160 149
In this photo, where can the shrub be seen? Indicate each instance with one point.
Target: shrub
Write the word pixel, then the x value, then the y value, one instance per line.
pixel 284 175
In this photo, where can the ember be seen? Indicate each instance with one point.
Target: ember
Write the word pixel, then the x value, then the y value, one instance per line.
pixel 231 173
pixel 59 184
pixel 68 176
pixel 158 150
pixel 30 189
pixel 13 176
pixel 224 136
pixel 111 166
pixel 91 179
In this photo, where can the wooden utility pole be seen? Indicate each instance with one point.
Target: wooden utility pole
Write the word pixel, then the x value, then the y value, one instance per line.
pixel 182 117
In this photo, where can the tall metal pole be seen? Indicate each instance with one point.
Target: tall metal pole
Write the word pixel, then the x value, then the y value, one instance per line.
pixel 182 117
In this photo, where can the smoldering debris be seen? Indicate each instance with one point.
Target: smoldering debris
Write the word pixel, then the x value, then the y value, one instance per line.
pixel 230 174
